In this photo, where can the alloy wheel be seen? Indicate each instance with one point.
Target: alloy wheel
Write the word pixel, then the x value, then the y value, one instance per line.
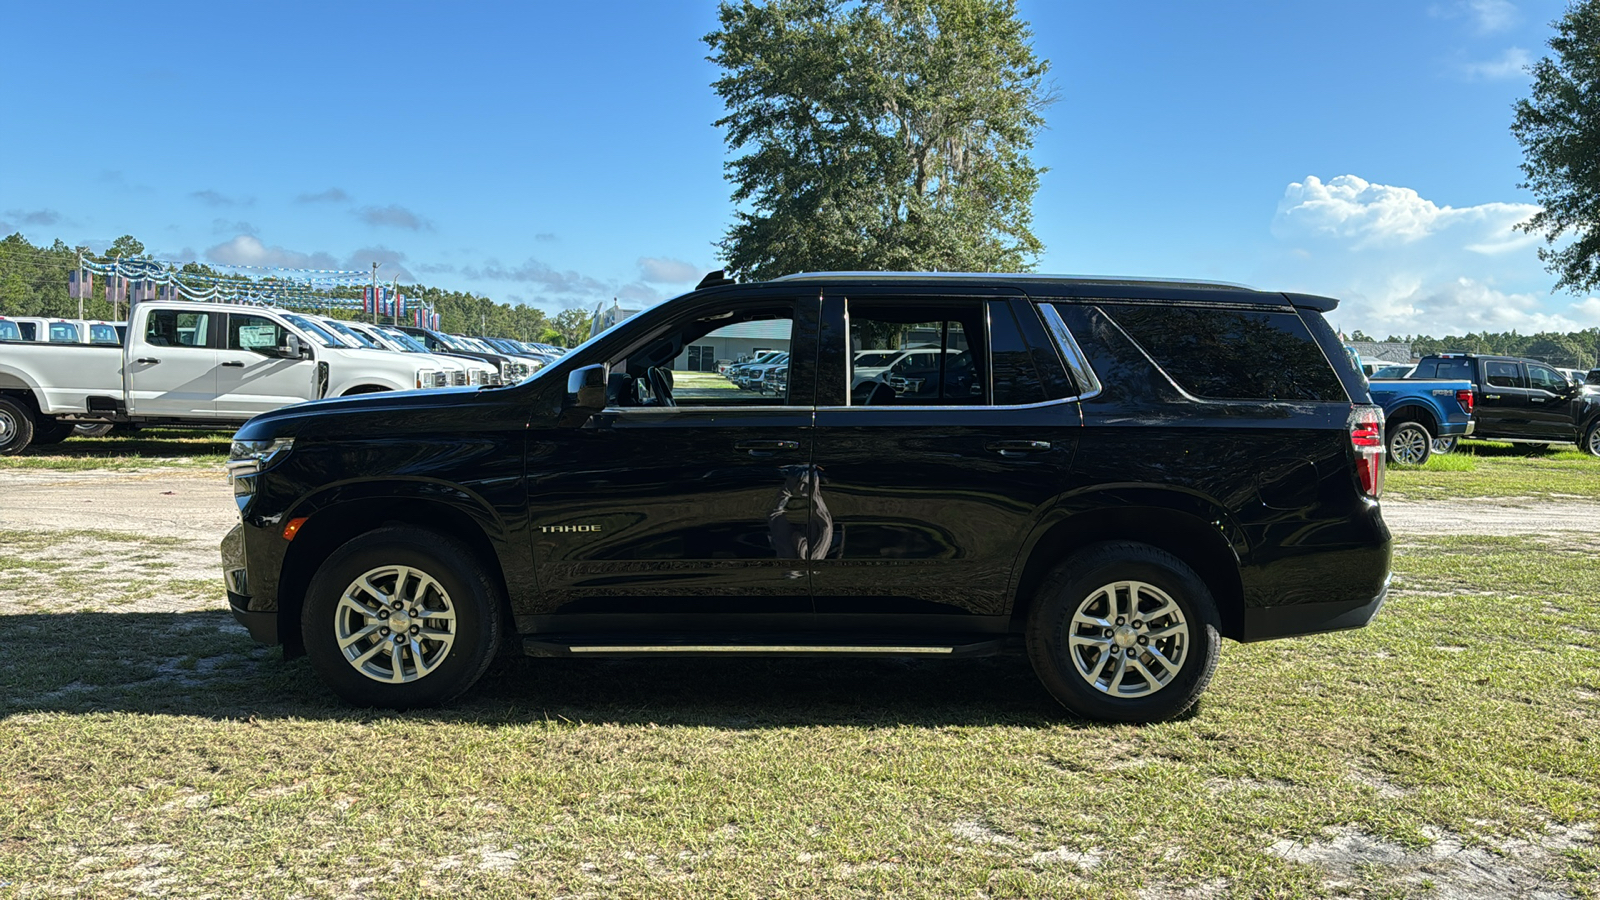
pixel 395 624
pixel 1128 639
pixel 1408 445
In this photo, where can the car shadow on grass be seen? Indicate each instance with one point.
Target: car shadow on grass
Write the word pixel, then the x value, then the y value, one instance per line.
pixel 203 664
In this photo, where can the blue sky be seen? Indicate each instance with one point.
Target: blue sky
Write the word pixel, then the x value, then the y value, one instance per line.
pixel 562 154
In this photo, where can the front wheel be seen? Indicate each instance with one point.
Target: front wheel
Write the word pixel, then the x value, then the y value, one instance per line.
pixel 1591 439
pixel 92 429
pixel 401 617
pixel 1410 444
pixel 16 427
pixel 1124 632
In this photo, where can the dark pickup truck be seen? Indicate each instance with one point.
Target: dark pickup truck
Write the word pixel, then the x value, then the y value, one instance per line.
pixel 1521 400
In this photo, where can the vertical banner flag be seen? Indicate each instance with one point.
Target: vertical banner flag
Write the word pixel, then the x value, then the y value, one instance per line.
pixel 80 285
pixel 382 302
pixel 399 301
pixel 366 299
pixel 116 289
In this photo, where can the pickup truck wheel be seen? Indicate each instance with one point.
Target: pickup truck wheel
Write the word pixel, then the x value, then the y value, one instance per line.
pixel 1445 445
pixel 92 429
pixel 16 427
pixel 1410 444
pixel 1591 439
pixel 400 618
pixel 1124 632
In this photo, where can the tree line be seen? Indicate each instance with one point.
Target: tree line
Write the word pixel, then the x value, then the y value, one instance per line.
pixel 33 282
pixel 1573 350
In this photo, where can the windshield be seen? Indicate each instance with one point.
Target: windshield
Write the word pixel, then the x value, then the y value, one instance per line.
pixel 451 341
pixel 407 343
pixel 318 333
pixel 354 335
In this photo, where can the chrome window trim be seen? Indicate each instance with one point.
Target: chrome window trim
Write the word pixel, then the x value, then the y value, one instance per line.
pixel 1059 401
pixel 1071 354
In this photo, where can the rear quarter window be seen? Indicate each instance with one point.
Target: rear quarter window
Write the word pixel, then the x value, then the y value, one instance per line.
pixel 1232 354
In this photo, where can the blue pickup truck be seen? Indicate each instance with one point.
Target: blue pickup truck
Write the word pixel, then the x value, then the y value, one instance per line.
pixel 1421 416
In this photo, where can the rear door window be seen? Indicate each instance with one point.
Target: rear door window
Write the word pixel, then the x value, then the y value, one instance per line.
pixel 1232 354
pixel 1503 374
pixel 178 328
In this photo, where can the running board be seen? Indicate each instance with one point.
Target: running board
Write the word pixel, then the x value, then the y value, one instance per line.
pixel 638 645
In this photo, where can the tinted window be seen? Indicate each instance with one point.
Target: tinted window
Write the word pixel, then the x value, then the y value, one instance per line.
pixel 936 364
pixel 178 328
pixel 63 333
pixel 1448 369
pixel 1016 379
pixel 1503 374
pixel 1546 378
pixel 1231 354
pixel 30 332
pixel 256 333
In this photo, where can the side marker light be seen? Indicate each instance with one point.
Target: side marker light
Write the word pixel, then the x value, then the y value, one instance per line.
pixel 293 528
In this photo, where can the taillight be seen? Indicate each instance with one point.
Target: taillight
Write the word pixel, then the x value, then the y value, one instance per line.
pixel 1465 399
pixel 1366 438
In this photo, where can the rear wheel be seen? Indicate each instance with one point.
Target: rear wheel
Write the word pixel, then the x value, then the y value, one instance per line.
pixel 1124 632
pixel 16 427
pixel 1410 444
pixel 1591 439
pixel 92 429
pixel 1444 445
pixel 50 432
pixel 401 618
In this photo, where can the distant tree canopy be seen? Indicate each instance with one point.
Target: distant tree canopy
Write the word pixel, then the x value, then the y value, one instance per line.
pixel 1574 350
pixel 1558 126
pixel 33 282
pixel 879 134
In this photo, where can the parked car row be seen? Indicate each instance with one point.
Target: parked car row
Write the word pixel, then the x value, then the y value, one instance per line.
pixel 1503 398
pixel 214 364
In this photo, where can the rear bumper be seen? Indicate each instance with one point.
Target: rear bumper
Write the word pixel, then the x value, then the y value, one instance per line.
pixel 1266 623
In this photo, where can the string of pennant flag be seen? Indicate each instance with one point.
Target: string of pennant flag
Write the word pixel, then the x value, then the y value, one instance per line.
pixel 142 280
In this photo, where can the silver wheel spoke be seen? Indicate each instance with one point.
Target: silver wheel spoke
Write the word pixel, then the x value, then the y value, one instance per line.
pixel 1156 634
pixel 345 642
pixel 1116 678
pixel 419 643
pixel 1149 676
pixel 1168 664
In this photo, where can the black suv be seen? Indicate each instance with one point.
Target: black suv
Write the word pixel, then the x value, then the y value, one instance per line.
pixel 1110 474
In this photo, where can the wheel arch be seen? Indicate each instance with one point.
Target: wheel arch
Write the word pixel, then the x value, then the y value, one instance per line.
pixel 1188 534
pixel 366 389
pixel 332 526
pixel 1414 412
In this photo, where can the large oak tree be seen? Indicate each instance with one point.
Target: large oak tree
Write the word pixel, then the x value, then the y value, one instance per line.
pixel 1559 129
pixel 879 134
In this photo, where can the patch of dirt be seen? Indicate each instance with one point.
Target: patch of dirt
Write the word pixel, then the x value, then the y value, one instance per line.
pixel 78 572
pixel 1455 871
pixel 1500 516
pixel 186 503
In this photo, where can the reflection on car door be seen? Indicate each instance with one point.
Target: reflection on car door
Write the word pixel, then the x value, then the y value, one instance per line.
pixel 680 510
pixel 931 495
pixel 174 373
pixel 1550 400
pixel 251 376
pixel 1503 406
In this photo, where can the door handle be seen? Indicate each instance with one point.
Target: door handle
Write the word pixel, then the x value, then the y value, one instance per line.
pixel 1017 448
pixel 1491 396
pixel 147 359
pixel 234 365
pixel 766 448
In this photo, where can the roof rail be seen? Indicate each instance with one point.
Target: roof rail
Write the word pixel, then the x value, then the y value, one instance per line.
pixel 1016 276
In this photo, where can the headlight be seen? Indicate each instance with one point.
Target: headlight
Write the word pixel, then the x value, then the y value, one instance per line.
pixel 247 458
pixel 424 378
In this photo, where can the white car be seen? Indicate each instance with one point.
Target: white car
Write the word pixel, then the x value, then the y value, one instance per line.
pixel 460 372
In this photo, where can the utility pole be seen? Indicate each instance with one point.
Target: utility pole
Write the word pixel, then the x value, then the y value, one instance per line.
pixel 374 295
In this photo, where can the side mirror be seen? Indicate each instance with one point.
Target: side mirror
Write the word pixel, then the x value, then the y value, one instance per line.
pixel 293 349
pixel 586 389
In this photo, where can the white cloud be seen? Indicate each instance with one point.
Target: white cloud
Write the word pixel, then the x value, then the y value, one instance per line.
pixel 1403 264
pixel 248 250
pixel 1367 215
pixel 1513 63
pixel 658 270
pixel 1493 15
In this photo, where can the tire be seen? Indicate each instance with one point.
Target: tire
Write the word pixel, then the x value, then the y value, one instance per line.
pixel 1410 444
pixel 1077 673
pixel 1445 445
pixel 16 427
pixel 1591 439
pixel 49 432
pixel 435 569
pixel 1535 449
pixel 92 429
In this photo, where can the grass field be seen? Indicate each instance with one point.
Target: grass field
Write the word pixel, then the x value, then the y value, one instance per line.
pixel 144 449
pixel 1492 469
pixel 1449 747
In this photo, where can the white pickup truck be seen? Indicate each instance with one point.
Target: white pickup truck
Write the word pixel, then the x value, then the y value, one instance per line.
pixel 198 364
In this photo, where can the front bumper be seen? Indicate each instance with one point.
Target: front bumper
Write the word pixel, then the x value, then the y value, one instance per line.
pixel 262 624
